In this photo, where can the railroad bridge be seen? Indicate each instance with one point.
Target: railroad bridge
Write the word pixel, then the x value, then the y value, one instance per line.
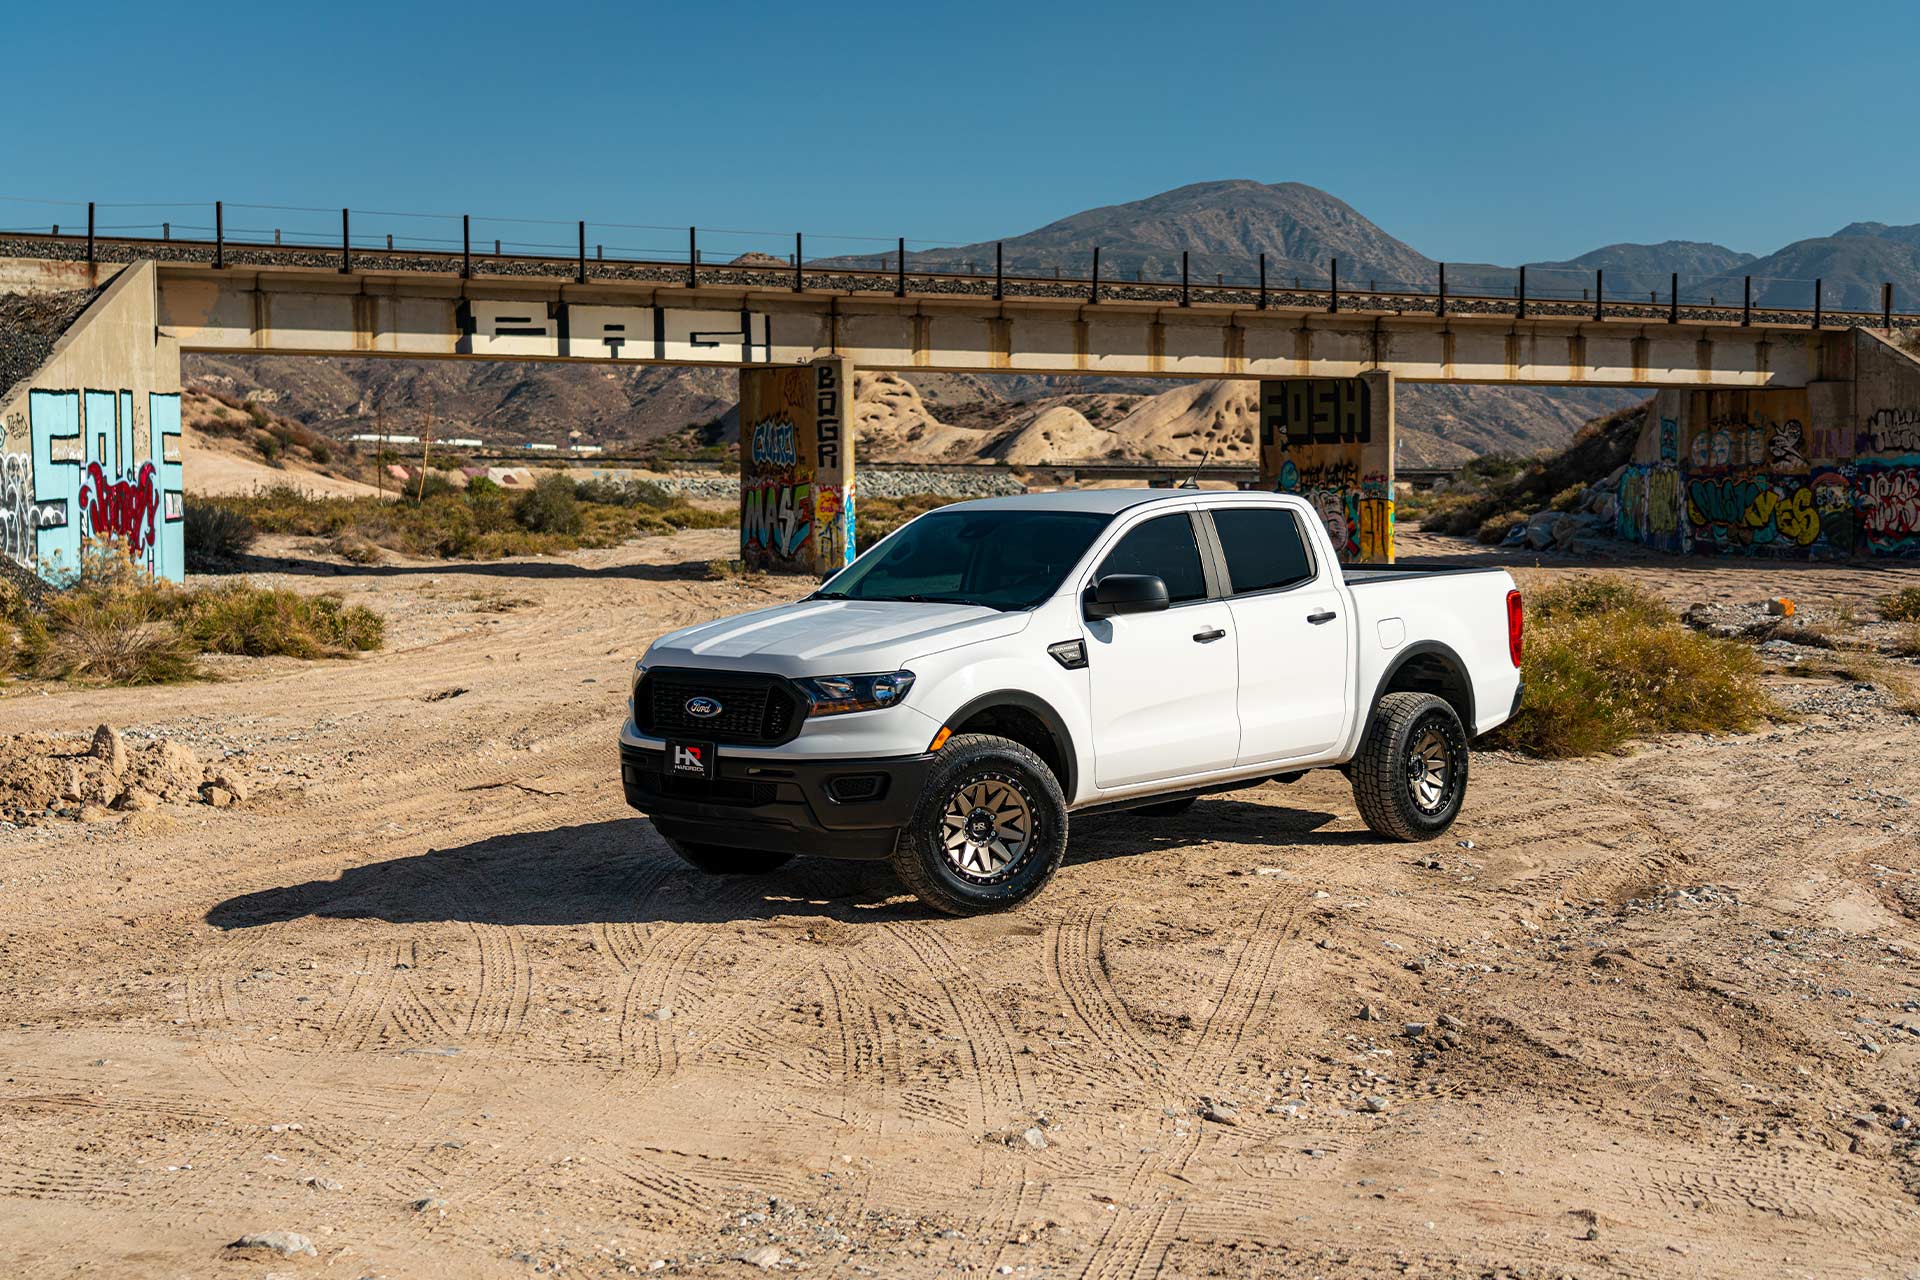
pixel 106 405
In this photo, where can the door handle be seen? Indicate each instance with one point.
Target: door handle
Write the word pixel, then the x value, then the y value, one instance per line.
pixel 1325 615
pixel 1208 637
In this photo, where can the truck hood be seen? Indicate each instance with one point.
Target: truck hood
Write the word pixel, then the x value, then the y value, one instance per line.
pixel 832 637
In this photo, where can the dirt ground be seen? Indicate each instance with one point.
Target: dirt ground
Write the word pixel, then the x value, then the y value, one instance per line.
pixel 431 997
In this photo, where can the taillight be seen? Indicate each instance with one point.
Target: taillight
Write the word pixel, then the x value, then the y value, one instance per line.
pixel 1516 623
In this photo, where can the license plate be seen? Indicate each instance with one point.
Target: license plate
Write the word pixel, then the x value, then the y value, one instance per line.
pixel 690 759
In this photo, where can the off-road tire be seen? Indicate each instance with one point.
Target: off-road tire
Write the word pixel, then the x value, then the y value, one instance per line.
pixel 720 860
pixel 1166 808
pixel 921 858
pixel 1384 786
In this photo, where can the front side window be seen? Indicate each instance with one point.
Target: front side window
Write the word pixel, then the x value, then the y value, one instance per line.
pixel 1264 548
pixel 1000 557
pixel 1163 547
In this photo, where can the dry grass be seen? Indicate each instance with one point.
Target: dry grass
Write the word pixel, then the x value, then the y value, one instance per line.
pixel 482 522
pixel 1606 661
pixel 257 623
pixel 1901 606
pixel 113 626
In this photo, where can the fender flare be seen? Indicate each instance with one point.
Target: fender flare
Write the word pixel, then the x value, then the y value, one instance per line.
pixel 1055 724
pixel 1420 648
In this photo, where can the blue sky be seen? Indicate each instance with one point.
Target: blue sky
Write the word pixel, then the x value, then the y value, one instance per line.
pixel 1489 132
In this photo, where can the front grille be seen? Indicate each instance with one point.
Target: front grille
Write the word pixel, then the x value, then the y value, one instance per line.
pixel 756 710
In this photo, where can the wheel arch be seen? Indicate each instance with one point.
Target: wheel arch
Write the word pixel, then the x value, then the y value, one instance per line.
pixel 1028 720
pixel 1426 666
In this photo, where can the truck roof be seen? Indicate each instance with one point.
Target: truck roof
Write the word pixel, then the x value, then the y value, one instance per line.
pixel 1113 501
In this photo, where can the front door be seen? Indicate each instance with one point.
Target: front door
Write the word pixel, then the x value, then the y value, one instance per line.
pixel 1291 618
pixel 1164 685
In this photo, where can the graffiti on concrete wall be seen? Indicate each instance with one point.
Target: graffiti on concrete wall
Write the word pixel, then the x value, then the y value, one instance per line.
pixel 1322 438
pixel 102 468
pixel 16 508
pixel 796 463
pixel 517 328
pixel 1750 473
pixel 1649 510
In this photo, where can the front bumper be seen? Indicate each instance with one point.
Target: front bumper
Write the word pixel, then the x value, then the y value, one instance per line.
pixel 839 808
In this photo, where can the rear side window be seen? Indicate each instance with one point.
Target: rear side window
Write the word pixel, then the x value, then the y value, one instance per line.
pixel 1165 548
pixel 1264 548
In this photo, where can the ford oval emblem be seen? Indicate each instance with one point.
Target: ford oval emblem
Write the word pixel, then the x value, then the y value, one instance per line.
pixel 703 708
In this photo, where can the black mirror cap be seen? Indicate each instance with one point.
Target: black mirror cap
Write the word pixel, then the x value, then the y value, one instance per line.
pixel 1126 593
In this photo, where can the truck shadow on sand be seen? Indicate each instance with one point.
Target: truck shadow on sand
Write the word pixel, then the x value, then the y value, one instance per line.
pixel 620 873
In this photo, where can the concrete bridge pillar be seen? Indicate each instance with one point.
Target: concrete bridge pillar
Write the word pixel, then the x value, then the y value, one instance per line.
pixel 796 467
pixel 1331 440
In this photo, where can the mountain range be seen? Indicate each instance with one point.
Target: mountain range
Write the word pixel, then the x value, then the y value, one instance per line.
pixel 1224 226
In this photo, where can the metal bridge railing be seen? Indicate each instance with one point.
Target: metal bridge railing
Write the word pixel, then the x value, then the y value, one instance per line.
pixel 224 234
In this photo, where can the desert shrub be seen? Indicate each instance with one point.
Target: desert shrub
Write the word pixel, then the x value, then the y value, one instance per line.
pixel 6 646
pixel 216 535
pixel 1568 498
pixel 1605 661
pixel 431 485
pixel 481 485
pixel 354 549
pixel 1495 529
pixel 1901 606
pixel 267 445
pixel 257 623
pixel 321 452
pixel 111 633
pixel 551 506
pixel 626 493
pixel 1599 595
pixel 684 516
pixel 1906 641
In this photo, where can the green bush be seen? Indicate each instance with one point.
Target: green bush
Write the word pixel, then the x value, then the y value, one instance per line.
pixel 551 506
pixel 257 623
pixel 1494 530
pixel 321 452
pixel 1901 606
pixel 267 444
pixel 626 493
pixel 1605 661
pixel 216 535
pixel 430 485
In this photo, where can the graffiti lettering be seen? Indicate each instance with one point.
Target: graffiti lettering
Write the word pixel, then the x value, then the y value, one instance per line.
pixel 1890 502
pixel 773 443
pixel 123 508
pixel 17 522
pixel 775 520
pixel 1891 431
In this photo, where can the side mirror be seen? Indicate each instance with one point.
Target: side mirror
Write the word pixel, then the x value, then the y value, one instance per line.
pixel 1125 593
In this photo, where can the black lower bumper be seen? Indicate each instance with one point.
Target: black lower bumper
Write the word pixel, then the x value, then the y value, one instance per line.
pixel 824 808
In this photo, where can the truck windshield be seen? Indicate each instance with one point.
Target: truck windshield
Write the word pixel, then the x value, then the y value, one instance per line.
pixel 1003 558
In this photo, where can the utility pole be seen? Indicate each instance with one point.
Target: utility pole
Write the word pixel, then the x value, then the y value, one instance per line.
pixel 426 444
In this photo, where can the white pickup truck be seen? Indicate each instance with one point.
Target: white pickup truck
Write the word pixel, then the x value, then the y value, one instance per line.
pixel 948 699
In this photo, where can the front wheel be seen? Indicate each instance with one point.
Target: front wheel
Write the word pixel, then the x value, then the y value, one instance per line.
pixel 989 830
pixel 1411 773
pixel 721 860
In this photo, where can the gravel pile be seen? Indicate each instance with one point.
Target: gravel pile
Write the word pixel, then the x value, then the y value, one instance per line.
pixel 30 323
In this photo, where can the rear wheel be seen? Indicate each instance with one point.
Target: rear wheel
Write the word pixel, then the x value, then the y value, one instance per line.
pixel 1411 774
pixel 989 830
pixel 720 860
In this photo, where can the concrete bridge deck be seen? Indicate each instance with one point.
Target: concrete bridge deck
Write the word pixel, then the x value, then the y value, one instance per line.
pixel 294 300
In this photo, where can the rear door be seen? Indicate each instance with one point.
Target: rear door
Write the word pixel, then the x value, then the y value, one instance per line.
pixel 1290 616
pixel 1164 685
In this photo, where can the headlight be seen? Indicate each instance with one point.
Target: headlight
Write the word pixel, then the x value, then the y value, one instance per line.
pixel 837 695
pixel 633 688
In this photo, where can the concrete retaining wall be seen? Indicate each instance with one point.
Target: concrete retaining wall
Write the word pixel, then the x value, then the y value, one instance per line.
pixel 90 443
pixel 1829 470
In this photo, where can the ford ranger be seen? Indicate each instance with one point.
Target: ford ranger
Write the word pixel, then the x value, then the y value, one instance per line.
pixel 990 668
